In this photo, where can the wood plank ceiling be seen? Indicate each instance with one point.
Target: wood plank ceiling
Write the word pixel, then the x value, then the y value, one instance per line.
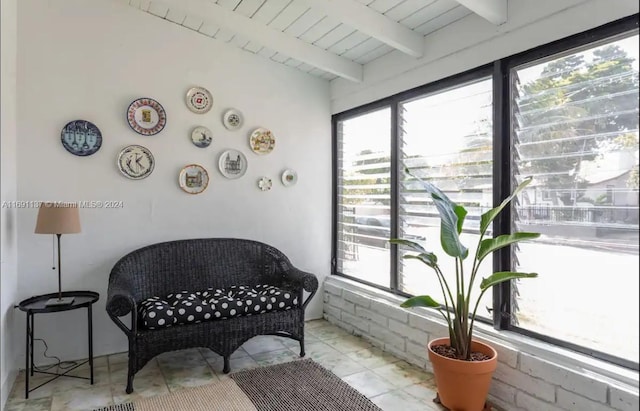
pixel 325 38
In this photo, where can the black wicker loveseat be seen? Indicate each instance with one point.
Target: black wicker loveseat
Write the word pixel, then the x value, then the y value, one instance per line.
pixel 214 292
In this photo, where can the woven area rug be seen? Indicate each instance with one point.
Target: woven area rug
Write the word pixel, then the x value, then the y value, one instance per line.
pixel 301 385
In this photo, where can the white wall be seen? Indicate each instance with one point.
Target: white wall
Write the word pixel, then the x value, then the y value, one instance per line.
pixel 8 246
pixel 89 60
pixel 472 42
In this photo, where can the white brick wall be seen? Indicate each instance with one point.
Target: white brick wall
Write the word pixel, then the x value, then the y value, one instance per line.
pixel 575 381
pixel 523 381
pixel 535 387
pixel 623 398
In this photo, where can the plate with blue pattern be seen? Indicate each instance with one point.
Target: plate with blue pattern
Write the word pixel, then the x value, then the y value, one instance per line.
pixel 81 137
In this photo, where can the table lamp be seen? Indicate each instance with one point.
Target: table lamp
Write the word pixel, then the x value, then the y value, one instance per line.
pixel 58 219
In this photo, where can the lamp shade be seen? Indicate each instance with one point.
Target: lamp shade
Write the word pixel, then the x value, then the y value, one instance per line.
pixel 58 219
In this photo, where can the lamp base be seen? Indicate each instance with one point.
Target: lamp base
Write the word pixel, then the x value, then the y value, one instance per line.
pixel 59 301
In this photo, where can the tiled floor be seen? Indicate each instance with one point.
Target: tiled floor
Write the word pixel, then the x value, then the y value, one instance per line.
pixel 390 383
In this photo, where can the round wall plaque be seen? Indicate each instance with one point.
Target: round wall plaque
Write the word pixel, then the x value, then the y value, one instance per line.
pixel 81 137
pixel 199 100
pixel 146 116
pixel 135 162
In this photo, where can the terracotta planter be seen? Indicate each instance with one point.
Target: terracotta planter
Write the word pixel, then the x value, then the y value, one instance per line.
pixel 463 385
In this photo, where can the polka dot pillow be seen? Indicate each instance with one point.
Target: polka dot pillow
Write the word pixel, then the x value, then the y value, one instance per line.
pixel 194 307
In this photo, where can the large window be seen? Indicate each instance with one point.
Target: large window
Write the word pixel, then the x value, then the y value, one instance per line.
pixel 566 114
pixel 364 196
pixel 576 133
pixel 454 152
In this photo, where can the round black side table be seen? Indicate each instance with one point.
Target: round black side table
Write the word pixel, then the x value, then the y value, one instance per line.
pixel 38 305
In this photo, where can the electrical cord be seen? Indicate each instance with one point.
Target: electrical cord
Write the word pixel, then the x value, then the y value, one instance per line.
pixel 62 365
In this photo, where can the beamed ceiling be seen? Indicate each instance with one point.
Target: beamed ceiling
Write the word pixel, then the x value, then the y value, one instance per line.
pixel 325 38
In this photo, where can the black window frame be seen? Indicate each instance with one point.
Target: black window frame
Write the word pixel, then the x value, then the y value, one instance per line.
pixel 499 71
pixel 393 102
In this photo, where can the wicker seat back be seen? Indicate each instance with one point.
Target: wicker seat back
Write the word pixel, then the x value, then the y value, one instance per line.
pixel 194 265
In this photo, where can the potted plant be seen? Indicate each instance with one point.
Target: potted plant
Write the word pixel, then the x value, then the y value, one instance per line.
pixel 462 366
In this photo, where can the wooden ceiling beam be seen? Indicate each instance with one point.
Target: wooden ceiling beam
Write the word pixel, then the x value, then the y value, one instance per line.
pixel 495 11
pixel 370 22
pixel 269 37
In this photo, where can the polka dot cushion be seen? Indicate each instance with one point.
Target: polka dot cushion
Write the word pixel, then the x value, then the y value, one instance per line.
pixel 194 307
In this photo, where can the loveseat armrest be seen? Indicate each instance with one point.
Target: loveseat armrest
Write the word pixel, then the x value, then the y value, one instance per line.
pixel 121 302
pixel 302 279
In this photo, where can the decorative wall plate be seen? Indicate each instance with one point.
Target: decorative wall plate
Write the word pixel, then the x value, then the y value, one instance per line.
pixel 146 116
pixel 81 137
pixel 201 136
pixel 265 184
pixel 289 177
pixel 232 119
pixel 199 100
pixel 262 141
pixel 232 164
pixel 193 179
pixel 135 162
